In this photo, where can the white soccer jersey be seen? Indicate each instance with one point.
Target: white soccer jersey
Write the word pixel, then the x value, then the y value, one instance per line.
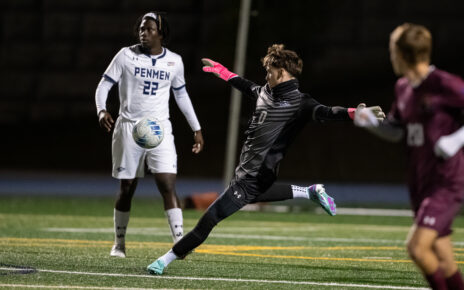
pixel 145 81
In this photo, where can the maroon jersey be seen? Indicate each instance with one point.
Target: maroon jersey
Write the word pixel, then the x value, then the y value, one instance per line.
pixel 427 112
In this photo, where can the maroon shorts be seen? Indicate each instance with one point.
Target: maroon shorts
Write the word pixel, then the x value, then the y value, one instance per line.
pixel 437 211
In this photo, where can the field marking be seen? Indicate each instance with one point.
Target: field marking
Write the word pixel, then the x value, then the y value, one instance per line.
pixel 95 243
pixel 73 287
pixel 332 284
pixel 226 250
pixel 202 251
pixel 148 232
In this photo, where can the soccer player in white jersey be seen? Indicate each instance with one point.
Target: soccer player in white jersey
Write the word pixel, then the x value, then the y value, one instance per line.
pixel 145 74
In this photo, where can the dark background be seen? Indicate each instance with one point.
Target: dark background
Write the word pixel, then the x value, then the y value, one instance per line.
pixel 53 53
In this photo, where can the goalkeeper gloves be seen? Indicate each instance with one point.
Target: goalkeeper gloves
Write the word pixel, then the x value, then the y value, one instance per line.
pixel 217 69
pixel 368 117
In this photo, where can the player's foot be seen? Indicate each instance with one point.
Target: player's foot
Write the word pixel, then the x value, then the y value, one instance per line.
pixel 317 194
pixel 118 251
pixel 156 268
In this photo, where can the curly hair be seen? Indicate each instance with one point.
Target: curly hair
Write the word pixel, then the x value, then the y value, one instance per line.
pixel 279 57
pixel 415 43
pixel 161 23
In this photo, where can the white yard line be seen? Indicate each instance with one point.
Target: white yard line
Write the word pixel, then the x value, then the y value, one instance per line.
pixel 155 232
pixel 332 284
pixel 72 287
pixel 152 232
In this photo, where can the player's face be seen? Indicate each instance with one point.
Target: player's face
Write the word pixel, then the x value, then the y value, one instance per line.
pixel 273 76
pixel 148 33
pixel 398 64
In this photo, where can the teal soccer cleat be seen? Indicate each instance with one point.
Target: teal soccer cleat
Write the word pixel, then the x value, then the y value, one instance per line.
pixel 318 195
pixel 156 268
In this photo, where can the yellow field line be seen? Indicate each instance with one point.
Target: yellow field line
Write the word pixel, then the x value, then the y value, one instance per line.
pixel 298 257
pixel 89 243
pixel 208 249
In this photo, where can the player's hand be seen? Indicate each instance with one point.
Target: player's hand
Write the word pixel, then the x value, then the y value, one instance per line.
pixel 368 117
pixel 105 120
pixel 199 143
pixel 447 146
pixel 378 113
pixel 217 69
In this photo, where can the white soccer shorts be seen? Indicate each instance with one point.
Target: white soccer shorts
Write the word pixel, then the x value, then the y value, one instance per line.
pixel 129 159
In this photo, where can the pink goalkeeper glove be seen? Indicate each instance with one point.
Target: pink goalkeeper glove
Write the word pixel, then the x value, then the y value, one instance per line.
pixel 217 69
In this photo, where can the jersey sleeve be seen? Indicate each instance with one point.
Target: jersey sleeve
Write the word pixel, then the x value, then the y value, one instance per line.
pixel 178 81
pixel 114 71
pixel 320 112
pixel 248 88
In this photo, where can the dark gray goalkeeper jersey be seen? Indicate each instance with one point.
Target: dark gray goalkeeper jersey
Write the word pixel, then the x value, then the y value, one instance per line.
pixel 280 114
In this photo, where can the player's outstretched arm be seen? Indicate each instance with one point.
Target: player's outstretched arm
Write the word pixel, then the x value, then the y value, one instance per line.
pixel 373 120
pixel 366 116
pixel 217 69
pixel 247 87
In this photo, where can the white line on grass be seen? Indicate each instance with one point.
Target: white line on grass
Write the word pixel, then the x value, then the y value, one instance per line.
pixel 227 279
pixel 146 231
pixel 72 287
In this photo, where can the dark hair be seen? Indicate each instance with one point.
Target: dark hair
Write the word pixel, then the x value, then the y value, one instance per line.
pixel 161 23
pixel 279 57
pixel 415 43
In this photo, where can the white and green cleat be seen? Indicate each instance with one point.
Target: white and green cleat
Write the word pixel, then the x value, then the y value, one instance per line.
pixel 318 195
pixel 156 268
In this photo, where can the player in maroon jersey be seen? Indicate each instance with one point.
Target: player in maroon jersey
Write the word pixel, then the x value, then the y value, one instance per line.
pixel 427 112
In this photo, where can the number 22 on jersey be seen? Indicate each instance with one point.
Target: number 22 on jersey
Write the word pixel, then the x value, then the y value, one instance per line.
pixel 150 88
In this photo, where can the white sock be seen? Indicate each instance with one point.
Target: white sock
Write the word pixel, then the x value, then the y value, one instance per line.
pixel 176 223
pixel 300 191
pixel 168 258
pixel 121 219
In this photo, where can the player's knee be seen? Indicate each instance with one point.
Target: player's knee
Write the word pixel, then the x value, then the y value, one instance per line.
pixel 416 249
pixel 205 225
pixel 127 186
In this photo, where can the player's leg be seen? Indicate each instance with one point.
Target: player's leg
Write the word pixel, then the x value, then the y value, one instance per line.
pixel 227 203
pixel 127 166
pixel 121 216
pixel 433 221
pixel 315 192
pixel 420 248
pixel 444 251
pixel 162 162
pixel 166 186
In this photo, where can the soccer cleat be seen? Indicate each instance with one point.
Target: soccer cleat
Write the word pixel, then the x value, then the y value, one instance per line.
pixel 118 251
pixel 317 194
pixel 156 268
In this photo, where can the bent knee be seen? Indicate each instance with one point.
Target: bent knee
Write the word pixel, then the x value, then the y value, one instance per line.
pixel 416 249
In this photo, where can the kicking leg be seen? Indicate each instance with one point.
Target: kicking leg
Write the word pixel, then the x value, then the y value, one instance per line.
pixel 166 185
pixel 121 216
pixel 315 192
pixel 223 207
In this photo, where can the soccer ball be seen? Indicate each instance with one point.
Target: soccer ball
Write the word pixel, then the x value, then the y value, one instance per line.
pixel 148 132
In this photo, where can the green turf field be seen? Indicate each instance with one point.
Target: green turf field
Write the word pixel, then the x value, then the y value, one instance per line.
pixel 65 242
